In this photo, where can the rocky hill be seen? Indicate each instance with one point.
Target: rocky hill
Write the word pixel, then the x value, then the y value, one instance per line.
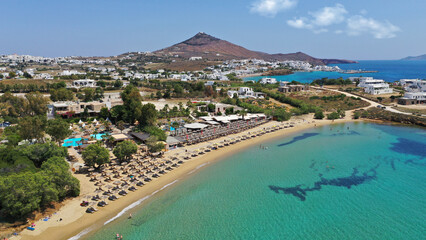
pixel 421 57
pixel 212 48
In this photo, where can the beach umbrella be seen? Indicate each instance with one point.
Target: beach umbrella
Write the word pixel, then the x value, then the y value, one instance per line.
pixel 80 122
pixel 117 182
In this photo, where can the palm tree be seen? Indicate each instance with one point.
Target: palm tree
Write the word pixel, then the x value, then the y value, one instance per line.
pixel 243 113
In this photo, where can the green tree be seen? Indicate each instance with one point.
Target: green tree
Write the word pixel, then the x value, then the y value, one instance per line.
pixel 211 107
pixel 149 115
pixel 61 94
pixel 37 103
pixel 118 84
pixel 154 145
pixel 32 127
pixel 40 152
pixel 20 194
pixel 56 170
pixel 333 115
pixel 12 74
pixel 104 113
pixel 178 90
pixel 85 113
pixel 132 103
pixel 319 115
pixel 356 115
pixel 243 113
pixel 27 75
pixel 120 125
pixel 95 155
pixel 124 150
pixel 99 94
pixel 89 94
pixel 155 131
pixel 58 129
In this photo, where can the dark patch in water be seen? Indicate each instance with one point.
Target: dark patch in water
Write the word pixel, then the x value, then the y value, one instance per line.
pixel 298 138
pixel 416 162
pixel 312 164
pixel 353 180
pixel 349 133
pixel 393 164
pixel 407 146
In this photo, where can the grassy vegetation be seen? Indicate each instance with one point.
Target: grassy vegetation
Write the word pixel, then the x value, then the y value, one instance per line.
pixel 379 114
pixel 329 101
pixel 410 110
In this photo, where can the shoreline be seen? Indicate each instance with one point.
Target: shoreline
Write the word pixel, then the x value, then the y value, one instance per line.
pixel 78 224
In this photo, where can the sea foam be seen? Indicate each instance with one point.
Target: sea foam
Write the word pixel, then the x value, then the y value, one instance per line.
pixel 87 230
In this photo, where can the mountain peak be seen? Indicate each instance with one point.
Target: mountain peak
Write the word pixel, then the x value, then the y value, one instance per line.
pixel 212 48
pixel 201 39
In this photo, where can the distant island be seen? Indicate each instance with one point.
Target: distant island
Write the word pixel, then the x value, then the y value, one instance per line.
pixel 411 58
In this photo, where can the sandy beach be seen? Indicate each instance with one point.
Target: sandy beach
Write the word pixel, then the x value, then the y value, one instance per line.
pixel 76 222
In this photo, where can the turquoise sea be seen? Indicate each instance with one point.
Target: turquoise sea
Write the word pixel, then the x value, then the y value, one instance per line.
pixel 345 181
pixel 389 71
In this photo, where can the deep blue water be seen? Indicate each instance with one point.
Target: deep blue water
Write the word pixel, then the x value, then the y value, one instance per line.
pixel 389 71
pixel 344 181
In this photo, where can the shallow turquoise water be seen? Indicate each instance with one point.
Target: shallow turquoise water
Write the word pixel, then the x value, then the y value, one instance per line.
pixel 389 71
pixel 73 142
pixel 347 181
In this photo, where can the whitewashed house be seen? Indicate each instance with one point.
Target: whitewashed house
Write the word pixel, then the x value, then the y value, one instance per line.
pixel 268 80
pixel 375 86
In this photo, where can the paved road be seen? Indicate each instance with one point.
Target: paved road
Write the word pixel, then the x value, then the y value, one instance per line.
pixel 372 103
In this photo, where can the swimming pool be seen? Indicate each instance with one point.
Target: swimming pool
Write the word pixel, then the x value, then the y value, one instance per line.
pixel 74 142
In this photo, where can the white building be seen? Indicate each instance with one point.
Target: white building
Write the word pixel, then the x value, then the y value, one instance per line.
pixel 415 91
pixel 84 83
pixel 71 72
pixel 413 85
pixel 268 80
pixel 375 86
pixel 245 92
pixel 231 93
pixel 195 58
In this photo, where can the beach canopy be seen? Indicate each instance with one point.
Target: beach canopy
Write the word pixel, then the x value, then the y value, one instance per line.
pixel 80 122
pixel 195 126
pixel 212 122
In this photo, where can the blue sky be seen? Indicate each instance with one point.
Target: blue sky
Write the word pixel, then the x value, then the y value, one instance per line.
pixel 361 29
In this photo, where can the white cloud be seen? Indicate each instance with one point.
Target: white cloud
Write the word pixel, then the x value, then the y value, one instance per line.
pixel 329 15
pixel 358 25
pixel 270 8
pixel 320 19
pixel 301 23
